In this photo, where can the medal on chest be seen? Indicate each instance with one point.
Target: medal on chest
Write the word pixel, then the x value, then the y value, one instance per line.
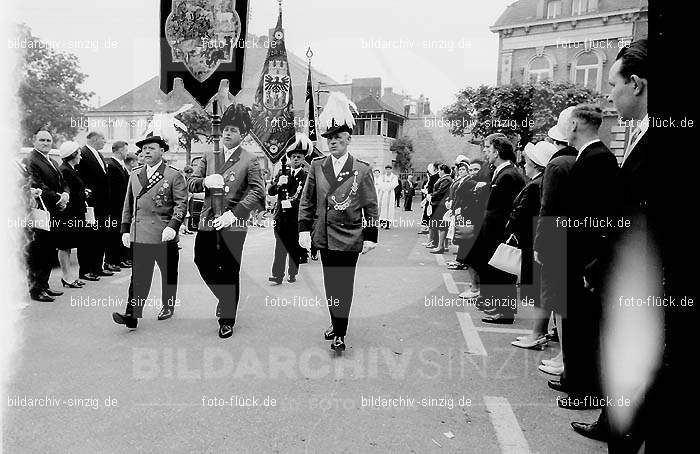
pixel 343 204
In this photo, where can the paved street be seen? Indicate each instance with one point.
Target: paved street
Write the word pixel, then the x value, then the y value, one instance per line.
pixel 275 386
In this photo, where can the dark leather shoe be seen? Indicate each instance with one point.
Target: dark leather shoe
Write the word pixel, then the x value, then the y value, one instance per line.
pixel 275 280
pixel 498 319
pixel 292 279
pixel 328 334
pixel 338 343
pixel 557 386
pixel 105 273
pixel 73 284
pixel 43 297
pixel 125 264
pixel 90 277
pixel 225 330
pixel 594 430
pixel 53 292
pixel 123 319
pixel 79 282
pixel 111 267
pixel 165 313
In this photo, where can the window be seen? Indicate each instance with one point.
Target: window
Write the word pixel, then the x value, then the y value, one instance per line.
pixel 539 69
pixel 579 7
pixel 393 129
pixel 554 9
pixel 587 71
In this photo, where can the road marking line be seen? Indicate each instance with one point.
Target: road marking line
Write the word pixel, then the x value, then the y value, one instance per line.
pixel 471 336
pixel 504 330
pixel 510 436
pixel 440 260
pixel 450 283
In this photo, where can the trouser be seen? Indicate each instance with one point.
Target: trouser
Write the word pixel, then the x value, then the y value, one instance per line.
pixel 498 289
pixel 398 201
pixel 580 346
pixel 91 257
pixel 339 282
pixel 146 256
pixel 220 268
pixel 115 252
pixel 407 203
pixel 286 245
pixel 41 253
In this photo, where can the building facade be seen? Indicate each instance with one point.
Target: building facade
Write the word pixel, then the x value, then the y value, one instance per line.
pixel 569 40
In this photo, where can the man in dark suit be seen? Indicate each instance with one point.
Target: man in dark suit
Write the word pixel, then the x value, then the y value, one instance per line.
pixel 409 191
pixel 339 192
pixel 116 255
pixel 44 174
pixel 218 247
pixel 287 187
pixel 154 209
pixel 506 183
pixel 592 201
pixel 93 171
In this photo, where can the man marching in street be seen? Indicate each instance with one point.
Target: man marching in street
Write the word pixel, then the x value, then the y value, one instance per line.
pixel 219 243
pixel 339 192
pixel 154 208
pixel 288 189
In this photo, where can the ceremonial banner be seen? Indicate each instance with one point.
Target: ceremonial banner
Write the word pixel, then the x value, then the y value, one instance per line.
pixel 273 114
pixel 202 42
pixel 310 108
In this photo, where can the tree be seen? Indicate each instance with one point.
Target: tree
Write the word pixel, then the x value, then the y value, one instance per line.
pixel 518 111
pixel 198 126
pixel 403 147
pixel 49 92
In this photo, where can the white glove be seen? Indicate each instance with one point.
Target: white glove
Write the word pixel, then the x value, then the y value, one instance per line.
pixel 480 185
pixel 368 246
pixel 214 181
pixel 168 234
pixel 448 204
pixel 282 179
pixel 126 239
pixel 36 192
pixel 225 220
pixel 305 240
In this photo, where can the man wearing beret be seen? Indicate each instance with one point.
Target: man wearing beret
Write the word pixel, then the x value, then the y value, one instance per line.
pixel 154 208
pixel 339 192
pixel 219 243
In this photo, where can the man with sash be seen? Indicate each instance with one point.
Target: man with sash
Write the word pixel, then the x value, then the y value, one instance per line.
pixel 339 193
pixel 154 208
pixel 219 243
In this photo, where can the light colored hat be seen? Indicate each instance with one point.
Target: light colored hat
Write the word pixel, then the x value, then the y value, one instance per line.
pixel 68 148
pixel 541 152
pixel 460 158
pixel 558 131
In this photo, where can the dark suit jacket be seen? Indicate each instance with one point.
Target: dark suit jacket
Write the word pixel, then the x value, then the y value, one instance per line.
pixel 342 211
pixel 505 187
pixel 289 217
pixel 46 178
pixel 409 189
pixel 118 180
pixel 95 180
pixel 592 193
pixel 76 207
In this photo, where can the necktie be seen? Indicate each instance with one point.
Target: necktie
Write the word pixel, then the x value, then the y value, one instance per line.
pixel 635 135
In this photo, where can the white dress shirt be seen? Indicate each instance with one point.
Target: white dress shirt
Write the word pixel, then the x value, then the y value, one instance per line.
pixel 98 157
pixel 498 169
pixel 151 170
pixel 228 152
pixel 636 136
pixel 339 163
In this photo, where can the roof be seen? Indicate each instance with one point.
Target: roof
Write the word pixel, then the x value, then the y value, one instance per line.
pixel 147 96
pixel 525 11
pixel 372 104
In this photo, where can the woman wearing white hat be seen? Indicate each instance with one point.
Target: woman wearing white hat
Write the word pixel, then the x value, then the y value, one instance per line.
pixel 73 217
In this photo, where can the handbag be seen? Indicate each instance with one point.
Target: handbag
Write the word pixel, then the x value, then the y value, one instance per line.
pixel 40 218
pixel 464 229
pixel 507 258
pixel 90 216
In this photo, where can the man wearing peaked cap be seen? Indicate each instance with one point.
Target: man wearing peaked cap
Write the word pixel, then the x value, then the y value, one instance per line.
pixel 154 208
pixel 287 186
pixel 339 192
pixel 219 243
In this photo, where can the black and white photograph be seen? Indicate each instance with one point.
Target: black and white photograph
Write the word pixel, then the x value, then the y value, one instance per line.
pixel 327 226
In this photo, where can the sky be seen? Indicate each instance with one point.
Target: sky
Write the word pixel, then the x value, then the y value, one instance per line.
pixel 435 51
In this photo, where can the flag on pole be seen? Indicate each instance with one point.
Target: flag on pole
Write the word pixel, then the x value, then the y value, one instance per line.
pixel 273 114
pixel 311 110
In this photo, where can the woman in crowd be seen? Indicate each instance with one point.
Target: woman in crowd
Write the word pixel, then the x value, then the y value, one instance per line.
pixel 72 220
pixel 457 203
